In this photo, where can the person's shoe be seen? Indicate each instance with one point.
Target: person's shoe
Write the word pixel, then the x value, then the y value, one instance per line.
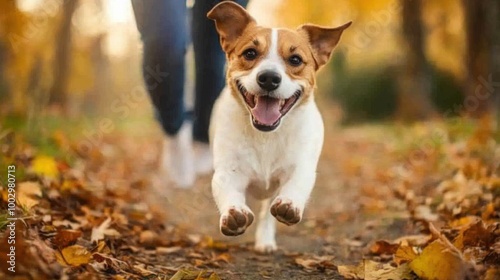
pixel 177 161
pixel 203 158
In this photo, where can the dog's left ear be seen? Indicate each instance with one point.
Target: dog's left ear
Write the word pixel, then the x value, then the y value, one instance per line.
pixel 231 20
pixel 323 40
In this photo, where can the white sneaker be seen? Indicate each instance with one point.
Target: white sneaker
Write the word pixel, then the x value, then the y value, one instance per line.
pixel 203 158
pixel 177 162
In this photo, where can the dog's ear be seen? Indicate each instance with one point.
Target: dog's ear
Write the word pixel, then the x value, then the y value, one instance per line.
pixel 231 20
pixel 322 40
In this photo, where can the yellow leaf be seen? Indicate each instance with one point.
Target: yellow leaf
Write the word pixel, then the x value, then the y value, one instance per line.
pixel 404 254
pixel 375 271
pixel 28 194
pixel 185 274
pixel 45 166
pixel 73 256
pixel 438 262
pixel 213 276
pixel 352 271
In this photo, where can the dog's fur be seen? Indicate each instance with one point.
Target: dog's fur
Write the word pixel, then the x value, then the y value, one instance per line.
pixel 272 156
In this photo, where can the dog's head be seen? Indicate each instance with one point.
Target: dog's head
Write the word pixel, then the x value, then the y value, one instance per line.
pixel 271 70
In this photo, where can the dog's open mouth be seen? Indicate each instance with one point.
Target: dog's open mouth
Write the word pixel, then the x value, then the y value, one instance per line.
pixel 267 111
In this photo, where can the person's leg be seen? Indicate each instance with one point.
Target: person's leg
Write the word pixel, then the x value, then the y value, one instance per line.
pixel 163 28
pixel 209 61
pixel 210 78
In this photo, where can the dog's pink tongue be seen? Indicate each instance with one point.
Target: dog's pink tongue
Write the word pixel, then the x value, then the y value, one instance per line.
pixel 266 110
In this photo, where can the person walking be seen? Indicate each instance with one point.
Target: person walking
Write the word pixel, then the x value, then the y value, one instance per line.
pixel 164 30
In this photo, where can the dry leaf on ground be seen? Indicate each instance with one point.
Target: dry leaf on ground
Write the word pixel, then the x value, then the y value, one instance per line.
pixel 66 237
pixel 73 256
pixel 28 194
pixel 315 262
pixel 438 262
pixel 371 270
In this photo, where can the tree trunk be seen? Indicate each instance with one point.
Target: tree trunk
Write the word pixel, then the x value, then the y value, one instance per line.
pixel 494 23
pixel 100 66
pixel 62 60
pixel 414 87
pixel 479 61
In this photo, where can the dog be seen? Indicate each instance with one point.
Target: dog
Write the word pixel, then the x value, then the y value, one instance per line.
pixel 266 131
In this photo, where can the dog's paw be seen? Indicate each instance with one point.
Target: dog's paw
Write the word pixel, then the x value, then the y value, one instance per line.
pixel 284 211
pixel 265 248
pixel 235 221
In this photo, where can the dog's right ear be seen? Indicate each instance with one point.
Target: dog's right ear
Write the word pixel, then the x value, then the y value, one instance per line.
pixel 231 20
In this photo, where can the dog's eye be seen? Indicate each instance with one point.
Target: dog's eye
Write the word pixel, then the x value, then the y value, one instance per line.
pixel 295 60
pixel 250 54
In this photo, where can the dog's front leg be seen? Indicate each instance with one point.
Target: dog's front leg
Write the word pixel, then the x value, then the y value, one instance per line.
pixel 228 189
pixel 289 205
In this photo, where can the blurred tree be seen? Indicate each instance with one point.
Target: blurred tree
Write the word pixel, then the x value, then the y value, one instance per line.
pixel 482 56
pixel 494 17
pixel 476 57
pixel 12 25
pixel 415 85
pixel 62 60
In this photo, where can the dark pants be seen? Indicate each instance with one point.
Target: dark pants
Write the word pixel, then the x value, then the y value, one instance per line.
pixel 163 25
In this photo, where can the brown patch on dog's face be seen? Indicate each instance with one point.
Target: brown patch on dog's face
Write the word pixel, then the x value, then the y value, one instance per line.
pixel 257 39
pixel 298 58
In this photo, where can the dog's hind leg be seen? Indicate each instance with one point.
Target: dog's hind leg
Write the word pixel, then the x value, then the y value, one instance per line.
pixel 265 241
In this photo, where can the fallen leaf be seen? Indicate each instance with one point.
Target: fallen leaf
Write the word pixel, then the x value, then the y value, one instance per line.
pixel 167 250
pixel 489 212
pixel 45 166
pixel 404 254
pixel 28 194
pixel 353 242
pixel 352 271
pixel 424 213
pixel 438 262
pixel 143 272
pixel 112 232
pixel 492 273
pixel 217 245
pixel 213 276
pixel 315 262
pixel 474 235
pixel 148 238
pixel 98 232
pixel 101 247
pixel 66 223
pixel 414 240
pixel 225 257
pixel 372 270
pixel 382 247
pixel 185 274
pixel 66 237
pixel 73 256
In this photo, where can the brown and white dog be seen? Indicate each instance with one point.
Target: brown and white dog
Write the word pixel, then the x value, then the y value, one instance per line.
pixel 266 131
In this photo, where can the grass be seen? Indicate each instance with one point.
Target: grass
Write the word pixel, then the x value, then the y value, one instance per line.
pixel 43 132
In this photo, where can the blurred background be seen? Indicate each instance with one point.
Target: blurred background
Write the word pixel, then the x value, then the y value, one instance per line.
pixel 401 60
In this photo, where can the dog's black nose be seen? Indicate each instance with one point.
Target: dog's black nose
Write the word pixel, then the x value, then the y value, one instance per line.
pixel 268 80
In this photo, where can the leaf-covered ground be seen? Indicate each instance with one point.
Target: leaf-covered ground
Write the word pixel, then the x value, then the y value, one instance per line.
pixel 391 202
